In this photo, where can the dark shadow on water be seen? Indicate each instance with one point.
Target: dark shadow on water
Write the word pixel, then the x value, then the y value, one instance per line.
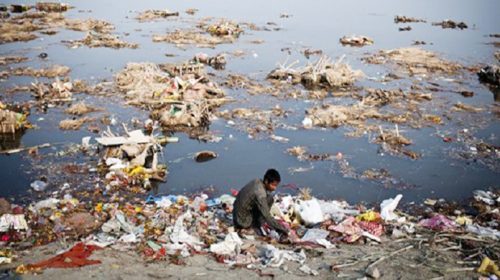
pixel 9 141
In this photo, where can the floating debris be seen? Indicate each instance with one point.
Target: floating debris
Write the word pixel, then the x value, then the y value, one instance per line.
pixel 52 72
pixel 183 38
pixel 13 121
pixel 357 41
pixel 255 121
pixel 204 156
pixel 393 142
pixel 80 109
pixel 150 15
pixel 451 24
pixel 57 91
pixel 252 87
pixel 419 43
pixel 178 99
pixel 52 7
pixel 191 11
pixel 10 32
pixel 414 61
pixel 73 124
pixel 99 26
pixel 301 153
pixel 309 52
pixel 323 73
pixel 98 40
pixel 4 60
pixel 224 28
pixel 405 19
pixel 217 62
pixel 467 108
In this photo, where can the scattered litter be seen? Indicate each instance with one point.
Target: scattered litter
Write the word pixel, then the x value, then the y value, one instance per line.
pixel 483 231
pixel 308 271
pixel 274 257
pixel 11 221
pixel 230 246
pixel 309 211
pixel 438 222
pixel 388 206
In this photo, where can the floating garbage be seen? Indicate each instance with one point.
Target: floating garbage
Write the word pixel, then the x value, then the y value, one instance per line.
pixel 52 7
pixel 204 156
pixel 39 186
pixel 323 73
pixel 405 19
pixel 150 15
pixel 11 121
pixel 357 41
pixel 451 24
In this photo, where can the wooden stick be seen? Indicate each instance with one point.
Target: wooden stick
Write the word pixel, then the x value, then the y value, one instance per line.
pixel 460 269
pixel 14 151
pixel 345 265
pixel 388 256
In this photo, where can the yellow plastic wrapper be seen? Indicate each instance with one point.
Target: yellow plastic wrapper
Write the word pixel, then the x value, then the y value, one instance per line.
pixel 369 216
pixel 138 170
pixel 488 267
pixel 55 216
pixel 98 207
pixel 463 220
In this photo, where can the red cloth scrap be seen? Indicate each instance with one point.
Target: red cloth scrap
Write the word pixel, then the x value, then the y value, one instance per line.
pixel 75 257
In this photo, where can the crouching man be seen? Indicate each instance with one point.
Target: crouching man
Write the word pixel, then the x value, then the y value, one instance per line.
pixel 253 203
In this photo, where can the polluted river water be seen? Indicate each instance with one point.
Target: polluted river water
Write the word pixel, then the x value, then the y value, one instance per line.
pixel 444 169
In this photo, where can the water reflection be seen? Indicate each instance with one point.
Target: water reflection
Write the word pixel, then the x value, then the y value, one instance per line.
pixel 9 141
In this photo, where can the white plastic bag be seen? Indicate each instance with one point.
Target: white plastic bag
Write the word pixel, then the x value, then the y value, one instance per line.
pixel 309 211
pixel 388 206
pixel 230 246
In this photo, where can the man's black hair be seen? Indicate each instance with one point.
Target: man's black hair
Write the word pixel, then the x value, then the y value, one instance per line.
pixel 272 176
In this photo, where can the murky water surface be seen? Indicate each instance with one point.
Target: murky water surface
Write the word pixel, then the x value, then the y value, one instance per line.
pixel 311 24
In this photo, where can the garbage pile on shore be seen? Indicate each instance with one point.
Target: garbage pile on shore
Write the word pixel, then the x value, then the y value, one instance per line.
pixel 174 227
